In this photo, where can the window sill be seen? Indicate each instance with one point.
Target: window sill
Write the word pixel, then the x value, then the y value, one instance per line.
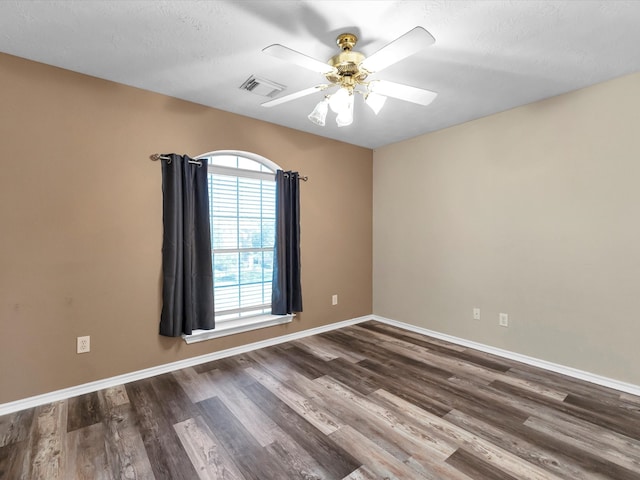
pixel 237 326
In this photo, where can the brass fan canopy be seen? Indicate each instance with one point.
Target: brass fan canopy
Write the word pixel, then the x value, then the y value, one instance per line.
pixel 347 62
pixel 346 41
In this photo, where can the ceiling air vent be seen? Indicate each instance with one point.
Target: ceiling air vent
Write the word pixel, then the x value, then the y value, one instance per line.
pixel 262 87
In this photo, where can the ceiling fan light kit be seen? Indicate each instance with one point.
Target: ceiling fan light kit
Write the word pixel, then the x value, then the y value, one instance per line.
pixel 348 71
pixel 375 101
pixel 319 114
pixel 345 115
pixel 340 100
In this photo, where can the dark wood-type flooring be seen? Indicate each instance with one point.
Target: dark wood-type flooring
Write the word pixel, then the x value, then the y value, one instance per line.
pixel 365 402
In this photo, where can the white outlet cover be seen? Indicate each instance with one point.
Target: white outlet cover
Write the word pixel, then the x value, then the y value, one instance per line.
pixel 504 320
pixel 83 344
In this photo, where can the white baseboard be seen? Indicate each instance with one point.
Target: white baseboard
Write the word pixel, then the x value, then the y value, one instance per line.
pixel 536 362
pixel 65 393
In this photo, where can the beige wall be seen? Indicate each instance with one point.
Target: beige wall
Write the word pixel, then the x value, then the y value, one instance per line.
pixel 533 212
pixel 81 223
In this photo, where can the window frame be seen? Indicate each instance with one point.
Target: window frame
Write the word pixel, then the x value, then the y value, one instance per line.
pixel 242 324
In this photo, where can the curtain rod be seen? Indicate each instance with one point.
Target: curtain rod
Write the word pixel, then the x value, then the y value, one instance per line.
pixel 304 178
pixel 156 156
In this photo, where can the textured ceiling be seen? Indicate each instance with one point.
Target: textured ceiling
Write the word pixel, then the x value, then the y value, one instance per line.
pixel 489 56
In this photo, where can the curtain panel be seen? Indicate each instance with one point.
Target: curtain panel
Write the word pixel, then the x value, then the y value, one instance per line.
pixel 187 276
pixel 286 294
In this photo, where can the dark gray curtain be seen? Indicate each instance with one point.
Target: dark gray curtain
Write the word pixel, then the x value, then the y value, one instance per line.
pixel 187 288
pixel 286 294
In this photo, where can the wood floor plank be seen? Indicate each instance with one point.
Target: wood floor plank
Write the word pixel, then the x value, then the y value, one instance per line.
pixel 515 438
pixel 86 457
pixel 197 386
pixel 205 367
pixel 232 368
pixel 83 411
pixel 366 423
pixel 382 328
pixel 223 363
pixel 599 437
pixel 377 351
pixel 395 382
pixel 441 392
pixel 629 398
pixel 210 459
pixel 582 459
pixel 561 382
pixel 123 443
pixel 262 428
pixel 422 354
pixel 268 434
pixel 176 404
pixel 484 401
pixel 476 468
pixel 381 463
pixel 44 459
pixel 307 409
pixel 612 408
pixel 363 473
pixel 297 358
pixel 167 457
pixel 12 465
pixel 355 376
pixel 297 460
pixel 479 358
pixel 532 401
pixel 116 396
pixel 319 348
pixel 326 350
pixel 485 450
pixel 252 460
pixel 15 427
pixel 438 395
pixel 462 368
pixel 319 446
pixel 591 444
pixel 361 420
pixel 396 419
pixel 291 360
pixel 373 420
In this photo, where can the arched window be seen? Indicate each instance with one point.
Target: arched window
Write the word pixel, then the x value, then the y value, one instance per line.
pixel 242 212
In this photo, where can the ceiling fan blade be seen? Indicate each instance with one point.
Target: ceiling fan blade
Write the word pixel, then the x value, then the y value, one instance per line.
pixel 402 47
pixel 402 92
pixel 293 96
pixel 285 53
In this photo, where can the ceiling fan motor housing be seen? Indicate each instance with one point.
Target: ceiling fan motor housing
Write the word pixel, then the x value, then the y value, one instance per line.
pixel 347 63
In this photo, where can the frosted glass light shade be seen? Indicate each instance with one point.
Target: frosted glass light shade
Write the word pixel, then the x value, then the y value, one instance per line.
pixel 319 114
pixel 345 117
pixel 339 100
pixel 375 101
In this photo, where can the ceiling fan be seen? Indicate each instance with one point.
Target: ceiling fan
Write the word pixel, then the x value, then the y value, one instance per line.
pixel 349 70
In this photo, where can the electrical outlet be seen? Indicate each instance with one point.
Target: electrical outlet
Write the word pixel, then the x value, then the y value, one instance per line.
pixel 84 344
pixel 504 320
pixel 334 300
pixel 476 314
